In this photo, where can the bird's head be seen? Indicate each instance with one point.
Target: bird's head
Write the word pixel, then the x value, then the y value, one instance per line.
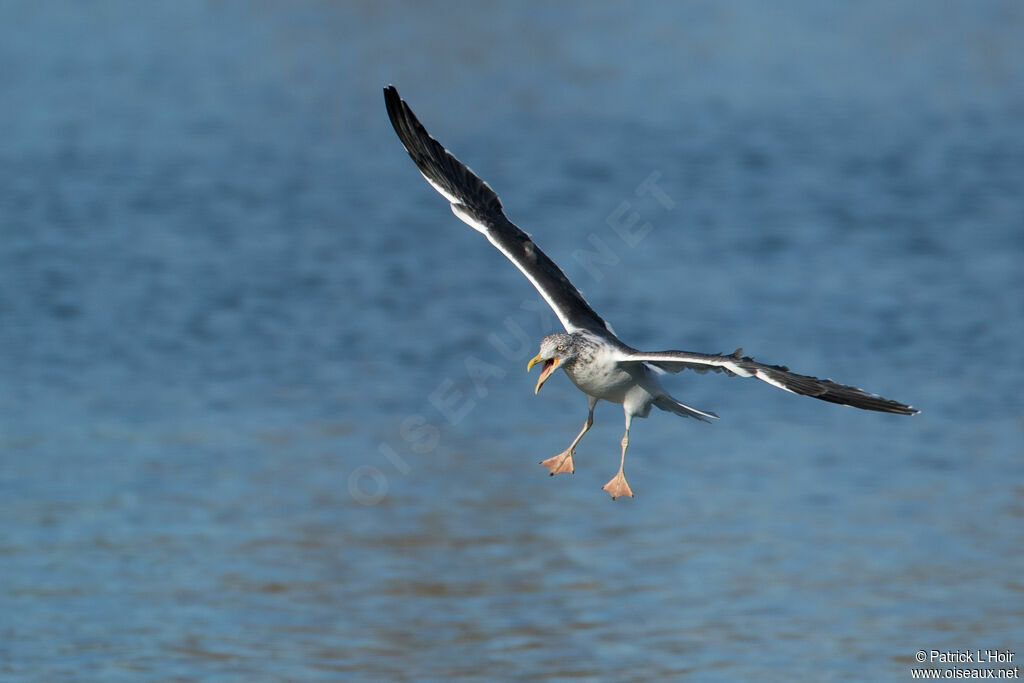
pixel 555 349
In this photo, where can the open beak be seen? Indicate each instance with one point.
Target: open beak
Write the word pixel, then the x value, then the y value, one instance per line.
pixel 545 372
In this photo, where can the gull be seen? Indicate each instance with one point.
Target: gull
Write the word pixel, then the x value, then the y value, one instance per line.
pixel 598 363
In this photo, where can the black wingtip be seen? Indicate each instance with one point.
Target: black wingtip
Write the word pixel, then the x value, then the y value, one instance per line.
pixel 405 123
pixel 392 101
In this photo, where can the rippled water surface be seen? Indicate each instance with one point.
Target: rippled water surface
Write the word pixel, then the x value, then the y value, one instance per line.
pixel 263 408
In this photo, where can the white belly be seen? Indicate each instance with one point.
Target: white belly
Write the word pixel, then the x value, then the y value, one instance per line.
pixel 605 379
pixel 607 386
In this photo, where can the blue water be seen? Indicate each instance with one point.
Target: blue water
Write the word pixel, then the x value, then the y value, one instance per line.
pixel 263 407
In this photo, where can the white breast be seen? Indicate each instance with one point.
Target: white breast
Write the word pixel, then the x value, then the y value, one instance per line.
pixel 601 377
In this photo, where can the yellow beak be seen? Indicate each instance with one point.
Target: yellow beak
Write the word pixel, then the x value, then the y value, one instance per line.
pixel 549 366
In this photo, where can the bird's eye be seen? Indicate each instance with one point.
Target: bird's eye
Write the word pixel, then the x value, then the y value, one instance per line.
pixel 561 347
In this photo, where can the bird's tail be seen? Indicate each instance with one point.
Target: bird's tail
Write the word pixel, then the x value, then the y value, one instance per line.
pixel 669 404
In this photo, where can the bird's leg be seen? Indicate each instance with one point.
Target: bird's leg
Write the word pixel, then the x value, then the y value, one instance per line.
pixel 617 486
pixel 562 463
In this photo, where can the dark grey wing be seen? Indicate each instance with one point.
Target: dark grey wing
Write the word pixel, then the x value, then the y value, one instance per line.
pixel 776 375
pixel 478 205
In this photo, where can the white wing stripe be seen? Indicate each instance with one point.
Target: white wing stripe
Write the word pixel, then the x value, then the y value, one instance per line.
pixel 778 376
pixel 763 376
pixel 733 368
pixel 443 192
pixel 467 217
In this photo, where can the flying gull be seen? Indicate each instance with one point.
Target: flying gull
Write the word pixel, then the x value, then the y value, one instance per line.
pixel 597 362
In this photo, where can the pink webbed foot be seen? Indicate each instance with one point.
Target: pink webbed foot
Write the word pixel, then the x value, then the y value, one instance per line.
pixel 560 464
pixel 617 487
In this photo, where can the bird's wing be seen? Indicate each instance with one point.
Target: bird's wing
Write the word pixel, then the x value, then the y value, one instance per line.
pixel 776 375
pixel 478 205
